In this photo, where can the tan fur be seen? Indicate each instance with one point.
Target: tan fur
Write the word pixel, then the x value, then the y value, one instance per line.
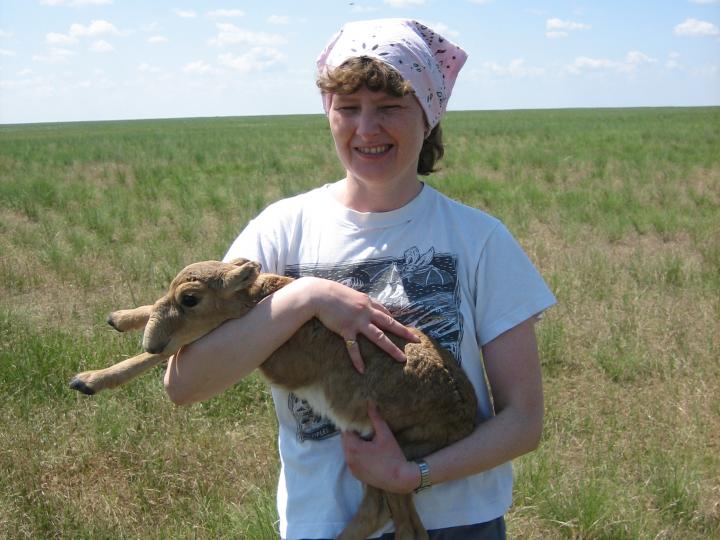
pixel 428 402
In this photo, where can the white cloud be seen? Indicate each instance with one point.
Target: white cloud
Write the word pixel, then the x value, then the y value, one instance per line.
pixel 557 28
pixel 27 83
pixel 706 71
pixel 629 64
pixel 361 8
pixel 102 46
pixel 583 63
pixel 694 27
pixel 6 52
pixel 55 55
pixel 555 24
pixel 278 19
pixel 9 84
pixel 229 34
pixel 404 3
pixel 704 1
pixel 148 71
pixel 481 2
pixel 515 69
pixel 150 27
pixel 199 67
pixel 219 13
pixel 157 39
pixel 185 13
pixel 45 91
pixel 673 61
pixel 147 68
pixel 5 35
pixel 256 59
pixel 53 38
pixel 635 58
pixel 95 28
pixel 75 3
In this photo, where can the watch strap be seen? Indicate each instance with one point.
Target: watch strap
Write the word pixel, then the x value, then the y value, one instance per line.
pixel 424 475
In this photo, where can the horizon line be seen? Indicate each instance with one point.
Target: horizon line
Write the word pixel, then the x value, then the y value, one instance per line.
pixel 452 111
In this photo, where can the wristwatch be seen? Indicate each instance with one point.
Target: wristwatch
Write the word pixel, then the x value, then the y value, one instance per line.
pixel 424 475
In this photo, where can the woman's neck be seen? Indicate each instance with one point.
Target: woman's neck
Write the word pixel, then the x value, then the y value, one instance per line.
pixel 367 197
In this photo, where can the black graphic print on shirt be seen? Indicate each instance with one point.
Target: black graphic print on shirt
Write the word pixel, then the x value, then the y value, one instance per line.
pixel 420 289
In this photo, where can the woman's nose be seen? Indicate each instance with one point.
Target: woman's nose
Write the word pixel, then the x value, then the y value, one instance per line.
pixel 368 123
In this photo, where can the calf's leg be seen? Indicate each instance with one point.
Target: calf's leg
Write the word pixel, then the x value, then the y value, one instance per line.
pixel 407 522
pixel 371 515
pixel 129 319
pixel 91 382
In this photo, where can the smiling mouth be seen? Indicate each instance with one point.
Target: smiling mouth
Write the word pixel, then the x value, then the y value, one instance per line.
pixel 374 150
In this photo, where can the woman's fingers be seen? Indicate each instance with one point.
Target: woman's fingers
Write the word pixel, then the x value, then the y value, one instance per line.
pixel 379 307
pixel 350 313
pixel 380 427
pixel 354 351
pixel 379 338
pixel 387 323
pixel 381 321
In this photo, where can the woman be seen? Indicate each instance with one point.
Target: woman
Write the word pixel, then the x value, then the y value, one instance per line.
pixel 376 243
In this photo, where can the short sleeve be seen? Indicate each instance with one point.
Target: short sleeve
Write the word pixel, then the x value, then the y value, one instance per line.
pixel 255 244
pixel 510 290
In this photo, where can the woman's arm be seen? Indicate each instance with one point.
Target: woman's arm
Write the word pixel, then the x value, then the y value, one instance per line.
pixel 220 359
pixel 513 370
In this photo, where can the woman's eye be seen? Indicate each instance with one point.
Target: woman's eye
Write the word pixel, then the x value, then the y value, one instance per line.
pixel 390 109
pixel 188 300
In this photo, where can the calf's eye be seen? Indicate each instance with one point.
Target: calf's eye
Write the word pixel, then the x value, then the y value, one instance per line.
pixel 188 300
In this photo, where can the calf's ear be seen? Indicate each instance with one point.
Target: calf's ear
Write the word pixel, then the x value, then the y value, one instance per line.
pixel 240 277
pixel 241 261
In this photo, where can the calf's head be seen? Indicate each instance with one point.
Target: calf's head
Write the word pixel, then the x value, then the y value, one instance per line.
pixel 200 298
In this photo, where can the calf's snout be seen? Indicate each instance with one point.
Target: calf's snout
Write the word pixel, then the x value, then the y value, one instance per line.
pixel 155 348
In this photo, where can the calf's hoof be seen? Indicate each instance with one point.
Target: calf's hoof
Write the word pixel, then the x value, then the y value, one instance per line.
pixel 78 384
pixel 111 321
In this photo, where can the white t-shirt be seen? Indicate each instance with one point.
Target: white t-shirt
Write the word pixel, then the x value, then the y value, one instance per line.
pixel 453 271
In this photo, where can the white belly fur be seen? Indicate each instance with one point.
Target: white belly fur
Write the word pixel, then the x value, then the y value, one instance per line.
pixel 315 396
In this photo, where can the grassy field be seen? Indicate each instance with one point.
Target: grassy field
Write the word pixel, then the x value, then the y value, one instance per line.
pixel 620 209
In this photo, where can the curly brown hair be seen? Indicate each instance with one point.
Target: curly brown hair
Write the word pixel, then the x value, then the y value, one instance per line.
pixel 377 76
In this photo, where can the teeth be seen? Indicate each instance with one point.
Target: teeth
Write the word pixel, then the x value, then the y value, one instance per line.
pixel 374 149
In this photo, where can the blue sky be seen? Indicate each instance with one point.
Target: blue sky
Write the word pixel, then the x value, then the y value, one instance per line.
pixel 68 60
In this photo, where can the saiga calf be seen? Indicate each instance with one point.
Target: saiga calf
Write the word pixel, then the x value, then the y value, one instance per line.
pixel 428 402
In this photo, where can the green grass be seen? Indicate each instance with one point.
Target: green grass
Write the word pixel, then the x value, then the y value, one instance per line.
pixel 620 210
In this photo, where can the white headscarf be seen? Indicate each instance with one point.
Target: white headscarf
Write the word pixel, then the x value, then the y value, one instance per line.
pixel 428 61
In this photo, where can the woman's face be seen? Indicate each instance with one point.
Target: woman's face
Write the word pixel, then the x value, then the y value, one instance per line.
pixel 378 136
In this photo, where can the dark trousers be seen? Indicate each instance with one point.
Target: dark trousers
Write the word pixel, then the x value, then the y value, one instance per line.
pixel 492 530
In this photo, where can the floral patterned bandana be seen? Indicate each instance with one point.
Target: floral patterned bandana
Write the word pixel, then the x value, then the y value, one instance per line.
pixel 428 61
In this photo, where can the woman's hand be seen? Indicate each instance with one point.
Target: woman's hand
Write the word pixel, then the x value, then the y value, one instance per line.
pixel 350 313
pixel 380 462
